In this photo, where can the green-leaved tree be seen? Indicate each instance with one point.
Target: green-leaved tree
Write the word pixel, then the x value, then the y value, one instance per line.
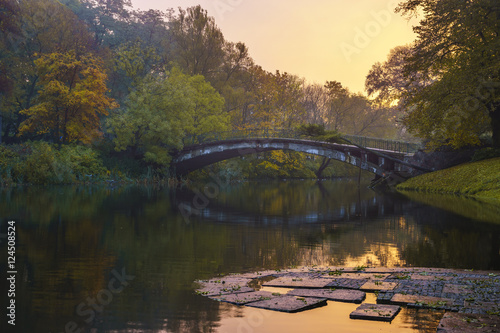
pixel 162 111
pixel 448 80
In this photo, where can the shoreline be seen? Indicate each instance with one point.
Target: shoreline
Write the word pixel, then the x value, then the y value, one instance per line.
pixel 474 180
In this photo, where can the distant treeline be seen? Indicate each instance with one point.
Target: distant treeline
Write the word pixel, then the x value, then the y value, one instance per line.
pixel 131 84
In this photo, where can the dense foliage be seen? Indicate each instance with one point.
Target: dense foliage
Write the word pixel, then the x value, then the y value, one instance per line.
pixel 130 84
pixel 448 81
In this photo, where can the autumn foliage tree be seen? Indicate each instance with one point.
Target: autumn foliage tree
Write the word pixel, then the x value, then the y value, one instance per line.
pixel 71 99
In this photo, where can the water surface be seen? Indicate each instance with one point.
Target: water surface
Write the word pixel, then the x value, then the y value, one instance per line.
pixel 123 259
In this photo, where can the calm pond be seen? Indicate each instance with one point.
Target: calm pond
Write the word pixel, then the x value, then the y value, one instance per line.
pixel 123 259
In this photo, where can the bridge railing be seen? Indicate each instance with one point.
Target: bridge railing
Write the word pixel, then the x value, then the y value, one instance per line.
pixel 384 144
pixel 242 134
pixel 367 142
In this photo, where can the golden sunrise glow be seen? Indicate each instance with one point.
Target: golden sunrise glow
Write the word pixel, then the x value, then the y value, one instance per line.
pixel 319 40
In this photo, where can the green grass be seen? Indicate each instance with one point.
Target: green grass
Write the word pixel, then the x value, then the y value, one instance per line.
pixel 480 180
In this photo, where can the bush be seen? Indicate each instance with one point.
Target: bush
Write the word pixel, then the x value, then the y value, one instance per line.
pixel 332 137
pixel 8 158
pixel 318 132
pixel 83 161
pixel 311 130
pixel 38 166
pixel 42 163
pixel 485 153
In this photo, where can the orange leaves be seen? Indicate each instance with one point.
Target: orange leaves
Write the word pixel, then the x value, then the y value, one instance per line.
pixel 72 96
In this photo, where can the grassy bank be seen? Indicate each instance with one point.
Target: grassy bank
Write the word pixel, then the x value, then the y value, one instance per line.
pixel 479 180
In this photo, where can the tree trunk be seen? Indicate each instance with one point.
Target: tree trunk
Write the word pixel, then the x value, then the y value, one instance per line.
pixel 323 166
pixel 495 126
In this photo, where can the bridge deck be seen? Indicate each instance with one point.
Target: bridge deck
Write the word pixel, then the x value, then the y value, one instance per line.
pixel 375 160
pixel 383 145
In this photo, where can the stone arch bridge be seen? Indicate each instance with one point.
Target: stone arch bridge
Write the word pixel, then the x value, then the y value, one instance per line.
pixel 378 156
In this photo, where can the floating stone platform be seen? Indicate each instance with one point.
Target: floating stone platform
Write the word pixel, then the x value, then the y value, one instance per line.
pixel 470 299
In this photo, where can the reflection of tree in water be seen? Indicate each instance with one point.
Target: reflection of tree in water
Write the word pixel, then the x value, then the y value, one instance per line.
pixel 453 241
pixel 76 236
pixel 421 320
pixel 288 202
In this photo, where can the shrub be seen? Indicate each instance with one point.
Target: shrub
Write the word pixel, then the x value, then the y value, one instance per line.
pixel 332 137
pixel 42 163
pixel 8 158
pixel 318 132
pixel 311 130
pixel 83 161
pixel 485 153
pixel 38 166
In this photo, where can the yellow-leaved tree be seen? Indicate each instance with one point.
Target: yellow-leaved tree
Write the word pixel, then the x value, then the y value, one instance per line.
pixel 71 99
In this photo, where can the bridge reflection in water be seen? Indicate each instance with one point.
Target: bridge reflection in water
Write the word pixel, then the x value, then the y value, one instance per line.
pixel 71 238
pixel 226 210
pixel 336 223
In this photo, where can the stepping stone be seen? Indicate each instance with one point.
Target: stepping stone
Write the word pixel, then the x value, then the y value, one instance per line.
pixel 453 322
pixel 456 289
pixel 473 306
pixel 227 285
pixel 298 282
pixel 418 276
pixel 379 286
pixel 289 304
pixel 367 276
pixel 338 295
pixel 382 270
pixel 430 277
pixel 244 298
pixel 257 275
pixel 425 301
pixel 378 312
pixel 211 290
pixel 346 283
pixel 229 280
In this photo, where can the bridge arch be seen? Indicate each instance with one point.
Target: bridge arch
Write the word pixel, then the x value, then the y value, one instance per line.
pixel 197 156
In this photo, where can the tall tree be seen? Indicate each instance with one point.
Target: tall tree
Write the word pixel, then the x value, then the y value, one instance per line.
pixel 457 54
pixel 338 105
pixel 315 103
pixel 386 81
pixel 277 100
pixel 107 20
pixel 162 111
pixel 72 96
pixel 44 26
pixel 9 29
pixel 199 42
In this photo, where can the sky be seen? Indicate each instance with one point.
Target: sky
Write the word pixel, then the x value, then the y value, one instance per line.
pixel 319 40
